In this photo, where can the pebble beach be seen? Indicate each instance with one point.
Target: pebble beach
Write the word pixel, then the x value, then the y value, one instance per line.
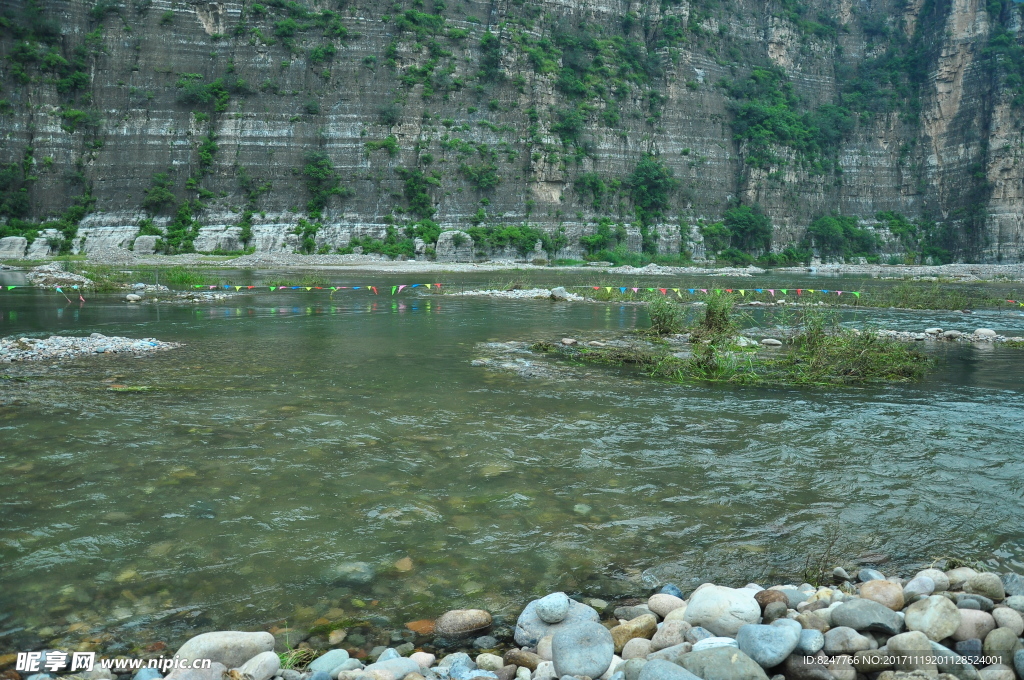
pixel 957 623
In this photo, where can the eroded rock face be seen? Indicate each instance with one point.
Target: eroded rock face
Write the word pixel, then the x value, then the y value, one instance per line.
pixel 961 151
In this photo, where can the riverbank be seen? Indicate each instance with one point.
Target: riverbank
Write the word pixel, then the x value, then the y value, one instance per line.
pixel 378 263
pixel 850 623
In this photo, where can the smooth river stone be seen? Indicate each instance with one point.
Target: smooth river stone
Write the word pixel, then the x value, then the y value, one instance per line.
pixel 811 642
pixel 329 661
pixel 669 634
pixel 585 648
pixel 522 658
pixel 974 623
pixel 987 584
pixel 769 645
pixel 637 648
pixel 229 647
pixel 530 628
pixel 641 627
pixel 996 671
pixel 664 670
pixel 723 663
pixel 722 610
pixel 935 616
pixel 883 592
pixel 1018 662
pixel 630 612
pixel 937 576
pixel 958 577
pixel 1003 643
pixel 552 608
pixel 1009 618
pixel 845 640
pixel 672 589
pixel 912 650
pixel 917 587
pixel 263 666
pixel 663 604
pixel 861 615
pixel 459 623
pixel 489 662
pixel 774 610
pixel 766 597
pixel 1013 584
pixel 865 575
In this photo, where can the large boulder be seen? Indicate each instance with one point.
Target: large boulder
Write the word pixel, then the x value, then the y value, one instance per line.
pixel 13 247
pixel 263 666
pixel 229 647
pixel 454 246
pixel 722 610
pixel 530 628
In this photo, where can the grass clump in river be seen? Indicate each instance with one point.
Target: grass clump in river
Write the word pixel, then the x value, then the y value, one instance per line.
pixel 110 278
pixel 817 352
pixel 667 317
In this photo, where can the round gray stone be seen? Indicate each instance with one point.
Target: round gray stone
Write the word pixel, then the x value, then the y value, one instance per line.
pixel 870 575
pixel 552 608
pixel 585 648
pixel 811 642
pixel 769 645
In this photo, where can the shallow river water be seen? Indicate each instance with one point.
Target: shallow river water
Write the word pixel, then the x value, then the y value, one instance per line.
pixel 295 432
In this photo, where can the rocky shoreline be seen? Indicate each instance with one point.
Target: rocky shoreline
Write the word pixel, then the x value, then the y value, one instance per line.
pixel 62 348
pixel 953 624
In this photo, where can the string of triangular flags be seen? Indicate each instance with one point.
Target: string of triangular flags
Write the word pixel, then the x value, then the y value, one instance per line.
pixel 373 289
pixel 718 291
pixel 59 289
pixel 394 289
pixel 1016 302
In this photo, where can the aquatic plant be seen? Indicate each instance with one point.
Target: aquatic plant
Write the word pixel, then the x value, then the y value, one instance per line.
pixel 666 315
pixel 716 323
pixel 818 353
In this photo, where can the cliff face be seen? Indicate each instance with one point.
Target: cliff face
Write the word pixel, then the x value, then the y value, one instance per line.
pixel 228 122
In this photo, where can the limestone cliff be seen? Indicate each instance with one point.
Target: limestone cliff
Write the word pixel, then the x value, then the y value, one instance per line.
pixel 325 124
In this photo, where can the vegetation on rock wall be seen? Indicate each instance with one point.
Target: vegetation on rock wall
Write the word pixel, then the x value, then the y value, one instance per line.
pixel 507 102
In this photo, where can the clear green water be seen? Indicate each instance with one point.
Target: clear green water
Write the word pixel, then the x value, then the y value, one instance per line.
pixel 293 433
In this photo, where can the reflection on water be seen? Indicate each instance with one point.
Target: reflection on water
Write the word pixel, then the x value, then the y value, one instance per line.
pixel 294 433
